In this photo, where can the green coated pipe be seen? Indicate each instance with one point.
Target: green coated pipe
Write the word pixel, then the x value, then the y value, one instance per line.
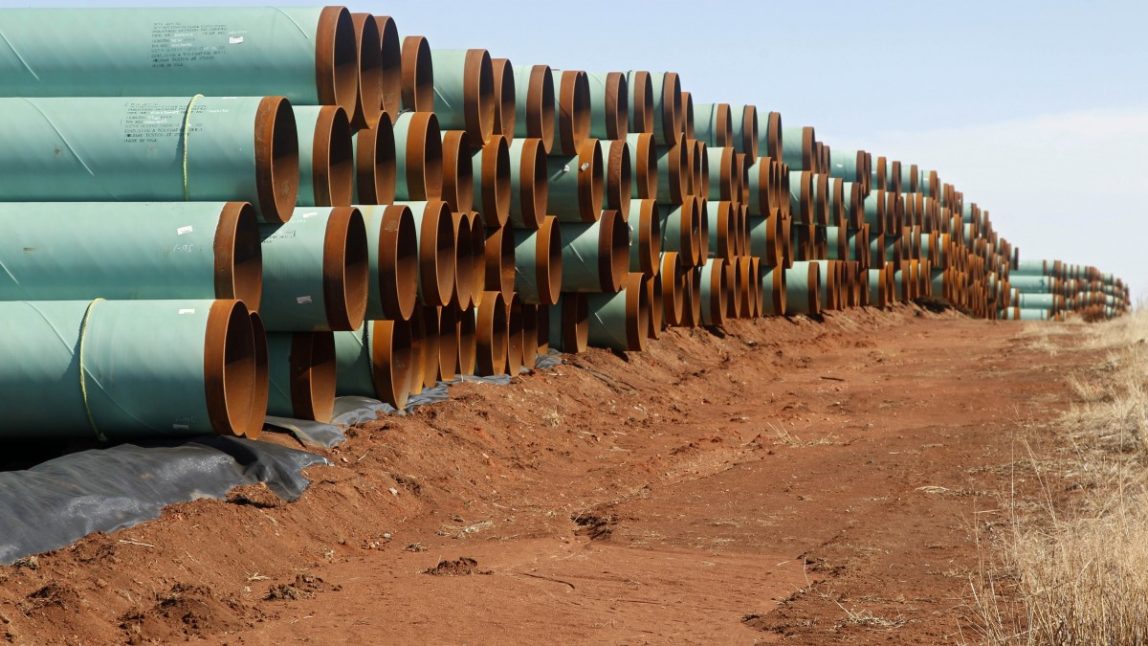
pixel 464 92
pixel 712 124
pixel 307 54
pixel 1038 301
pixel 435 237
pixel 538 263
pixel 669 111
pixel 838 243
pixel 743 118
pixel 803 288
pixel 492 180
pixel 619 179
pixel 679 225
pixel 877 295
pixel 595 256
pixel 315 271
pixel 418 156
pixel 1033 314
pixel 569 323
pixel 847 164
pixel 644 164
pixel 374 150
pixel 151 149
pixel 130 251
pixel 721 183
pixel 1032 268
pixel 714 292
pixel 673 172
pixel 620 321
pixel 773 291
pixel 641 102
pixel 301 370
pixel 1033 284
pixel 377 360
pixel 393 251
pixel 534 104
pixel 121 369
pixel 609 105
pixel 577 184
pixel 326 156
pixel 797 148
pixel 937 278
pixel 529 188
pixel 829 287
pixel 770 140
pixel 645 237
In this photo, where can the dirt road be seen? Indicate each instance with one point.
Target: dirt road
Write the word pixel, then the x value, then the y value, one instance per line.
pixel 788 481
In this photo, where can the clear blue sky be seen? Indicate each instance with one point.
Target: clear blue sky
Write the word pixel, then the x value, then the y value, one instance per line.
pixel 1037 110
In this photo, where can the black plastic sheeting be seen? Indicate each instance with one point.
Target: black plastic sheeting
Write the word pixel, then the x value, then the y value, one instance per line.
pixel 102 489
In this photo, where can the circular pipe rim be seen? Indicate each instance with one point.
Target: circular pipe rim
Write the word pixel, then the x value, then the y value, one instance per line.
pixel 375 168
pixel 458 172
pixel 417 75
pixel 505 102
pixel 333 158
pixel 238 255
pixel 370 82
pixel 548 260
pixel 390 65
pixel 346 269
pixel 337 64
pixel 276 159
pixel 261 390
pixel 398 253
pixel 230 368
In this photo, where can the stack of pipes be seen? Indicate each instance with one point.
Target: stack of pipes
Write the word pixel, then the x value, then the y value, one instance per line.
pixel 282 205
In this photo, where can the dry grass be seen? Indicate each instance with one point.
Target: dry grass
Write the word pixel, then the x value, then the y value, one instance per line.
pixel 1077 572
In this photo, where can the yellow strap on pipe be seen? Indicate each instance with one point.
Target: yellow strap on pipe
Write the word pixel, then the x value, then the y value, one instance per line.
pixel 185 133
pixel 84 372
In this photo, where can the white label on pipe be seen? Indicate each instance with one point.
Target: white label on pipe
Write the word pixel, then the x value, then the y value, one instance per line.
pixel 180 427
pixel 186 310
pixel 304 300
pixel 310 214
pixel 235 40
pixel 183 230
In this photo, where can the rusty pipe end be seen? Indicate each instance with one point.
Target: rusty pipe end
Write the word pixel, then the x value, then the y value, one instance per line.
pixel 337 62
pixel 238 255
pixel 504 97
pixel 548 260
pixel 261 392
pixel 276 159
pixel 346 269
pixel 368 42
pixel 417 75
pixel 458 172
pixel 231 368
pixel 390 65
pixel 333 158
pixel 375 169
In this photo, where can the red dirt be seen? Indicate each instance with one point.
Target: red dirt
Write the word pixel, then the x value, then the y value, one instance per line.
pixel 785 481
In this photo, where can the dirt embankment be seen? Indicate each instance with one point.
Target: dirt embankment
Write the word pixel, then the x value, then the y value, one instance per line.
pixel 784 481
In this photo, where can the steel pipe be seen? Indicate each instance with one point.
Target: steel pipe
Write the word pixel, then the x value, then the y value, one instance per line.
pixel 500 256
pixel 458 172
pixel 326 156
pixel 529 186
pixel 121 369
pixel 157 149
pixel 803 289
pixel 534 104
pixel 572 89
pixel 515 344
pixel 464 97
pixel 674 173
pixel 393 252
pixel 714 291
pixel 194 250
pixel 654 295
pixel 505 95
pixel 390 65
pixel 645 237
pixel 434 237
pixel 722 218
pixel 595 257
pixel 417 75
pixel 680 225
pixel 377 360
pixel 609 105
pixel 308 54
pixel 315 271
pixel 673 288
pixel 569 323
pixel 641 102
pixel 301 369
pixel 466 332
pixel 538 263
pixel 616 157
pixel 369 81
pixel 669 111
pixel 620 321
pixel 773 291
pixel 577 184
pixel 743 119
pixel 418 157
pixel 492 187
pixel 375 172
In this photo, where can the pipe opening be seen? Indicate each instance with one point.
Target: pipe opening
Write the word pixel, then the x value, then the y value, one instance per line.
pixel 617 106
pixel 478 96
pixel 535 190
pixel 370 81
pixel 230 368
pixel 417 75
pixel 392 361
pixel 261 390
pixel 276 159
pixel 549 261
pixel 514 340
pixel 540 112
pixel 346 269
pixel 645 169
pixel 437 254
pixel 574 111
pixel 688 115
pixel 642 102
pixel 337 59
pixel 239 255
pixel 390 65
pixel 448 342
pixel 476 238
pixel 463 262
pixel 637 312
pixel 375 170
pixel 458 175
pixel 398 262
pixel 313 358
pixel 334 173
pixel 467 350
pixel 425 157
pixel 496 181
pixel 504 98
